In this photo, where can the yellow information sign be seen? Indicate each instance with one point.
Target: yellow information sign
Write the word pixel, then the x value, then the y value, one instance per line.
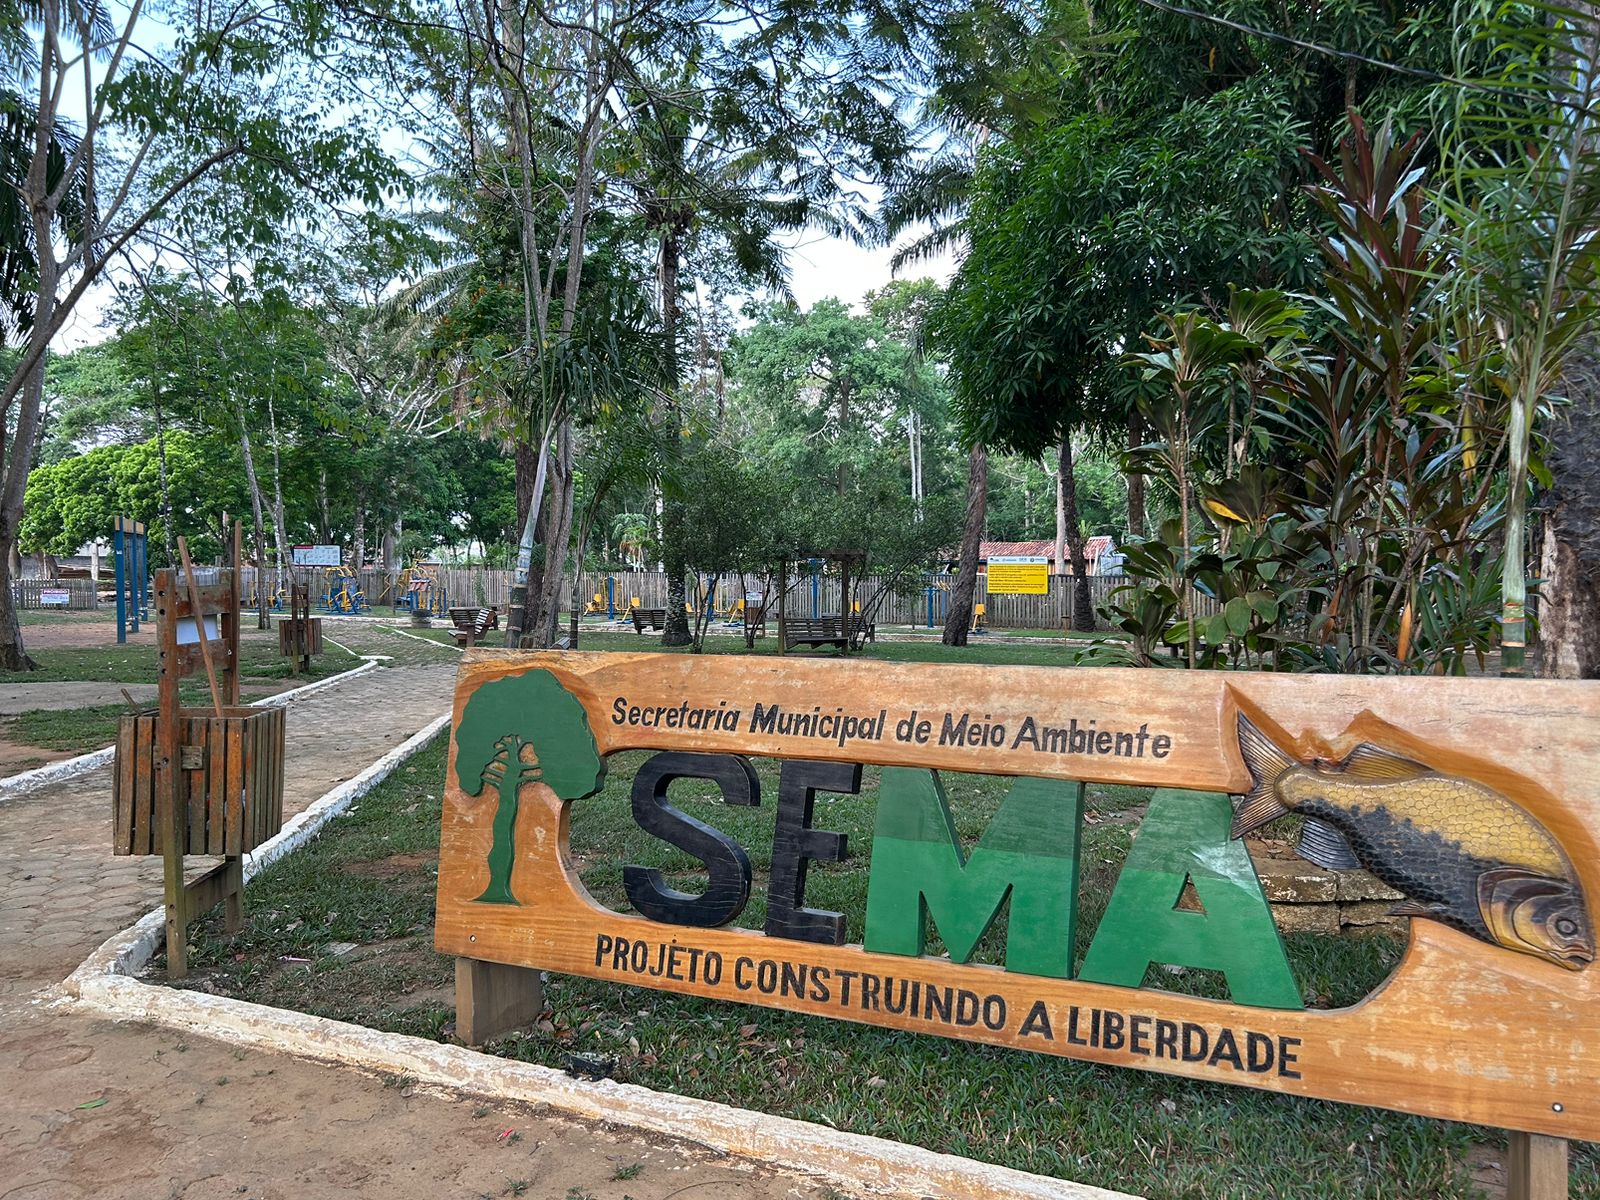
pixel 1019 576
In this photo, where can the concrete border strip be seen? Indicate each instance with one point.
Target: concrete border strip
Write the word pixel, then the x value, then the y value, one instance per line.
pixel 106 984
pixel 419 638
pixel 67 768
pixel 855 1161
pixel 293 694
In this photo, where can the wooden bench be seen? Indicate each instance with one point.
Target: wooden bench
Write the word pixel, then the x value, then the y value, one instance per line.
pixel 653 618
pixel 472 623
pixel 826 631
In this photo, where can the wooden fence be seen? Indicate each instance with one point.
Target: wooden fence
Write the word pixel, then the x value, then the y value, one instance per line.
pixel 81 594
pixel 910 604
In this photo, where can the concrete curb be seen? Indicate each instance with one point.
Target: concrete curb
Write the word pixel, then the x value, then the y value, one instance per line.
pixel 417 638
pixel 293 694
pixel 106 984
pixel 853 1161
pixel 27 781
pixel 128 952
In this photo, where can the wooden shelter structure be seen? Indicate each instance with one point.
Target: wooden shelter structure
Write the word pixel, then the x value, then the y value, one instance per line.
pixel 846 559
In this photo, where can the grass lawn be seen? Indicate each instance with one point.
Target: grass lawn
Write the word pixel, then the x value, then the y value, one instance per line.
pixel 369 881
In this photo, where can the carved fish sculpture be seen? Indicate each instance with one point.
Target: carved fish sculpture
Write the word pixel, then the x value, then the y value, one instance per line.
pixel 1462 853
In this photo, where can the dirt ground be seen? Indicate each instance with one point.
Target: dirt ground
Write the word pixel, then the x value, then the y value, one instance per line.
pixel 63 631
pixel 96 1109
pixel 112 1111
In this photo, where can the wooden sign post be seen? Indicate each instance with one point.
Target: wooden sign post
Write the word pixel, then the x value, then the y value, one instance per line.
pixel 198 781
pixel 1478 800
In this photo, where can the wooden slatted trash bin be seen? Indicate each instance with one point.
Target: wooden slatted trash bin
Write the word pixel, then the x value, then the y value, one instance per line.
pixel 230 780
pixel 198 780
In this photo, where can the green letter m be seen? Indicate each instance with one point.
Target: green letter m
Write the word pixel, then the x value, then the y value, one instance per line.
pixel 1029 852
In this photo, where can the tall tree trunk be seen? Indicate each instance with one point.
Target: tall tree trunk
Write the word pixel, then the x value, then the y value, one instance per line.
pixel 1569 596
pixel 559 532
pixel 676 631
pixel 1135 481
pixel 1513 572
pixel 1058 561
pixel 279 536
pixel 359 533
pixel 1082 604
pixel 958 618
pixel 161 468
pixel 527 463
pixel 322 505
pixel 18 453
pixel 527 576
pixel 258 528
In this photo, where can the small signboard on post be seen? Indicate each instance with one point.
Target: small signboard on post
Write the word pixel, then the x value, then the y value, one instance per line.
pixel 316 556
pixel 1019 575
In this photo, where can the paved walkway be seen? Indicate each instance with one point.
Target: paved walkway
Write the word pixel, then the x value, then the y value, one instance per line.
pixel 93 1108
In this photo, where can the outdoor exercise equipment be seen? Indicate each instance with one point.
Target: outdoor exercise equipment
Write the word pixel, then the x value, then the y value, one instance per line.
pixel 202 780
pixel 938 597
pixel 130 549
pixel 421 589
pixel 342 592
pixel 277 596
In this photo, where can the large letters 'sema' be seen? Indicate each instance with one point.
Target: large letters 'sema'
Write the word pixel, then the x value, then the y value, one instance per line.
pixel 1184 838
pixel 1029 852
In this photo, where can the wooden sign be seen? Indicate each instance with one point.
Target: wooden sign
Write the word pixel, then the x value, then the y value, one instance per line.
pixel 1478 799
pixel 1018 575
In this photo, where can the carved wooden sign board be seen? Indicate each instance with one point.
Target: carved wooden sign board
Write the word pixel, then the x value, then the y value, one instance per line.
pixel 1478 799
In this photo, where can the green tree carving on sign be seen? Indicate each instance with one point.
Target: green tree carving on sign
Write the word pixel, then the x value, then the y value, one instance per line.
pixel 521 729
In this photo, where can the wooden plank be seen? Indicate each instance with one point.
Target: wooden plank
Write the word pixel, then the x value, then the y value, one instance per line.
pixel 1536 1167
pixel 213 600
pixel 192 781
pixel 280 725
pixel 234 894
pixel 206 891
pixel 145 838
pixel 215 781
pixel 189 659
pixel 247 778
pixel 168 793
pixel 493 999
pixel 1464 1030
pixel 235 837
pixel 122 790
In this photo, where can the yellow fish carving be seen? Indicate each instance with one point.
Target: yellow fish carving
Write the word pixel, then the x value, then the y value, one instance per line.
pixel 1461 852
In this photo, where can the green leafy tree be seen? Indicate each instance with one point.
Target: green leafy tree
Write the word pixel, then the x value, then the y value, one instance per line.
pixel 157 123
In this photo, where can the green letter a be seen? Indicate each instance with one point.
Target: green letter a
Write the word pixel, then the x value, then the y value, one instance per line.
pixel 1185 836
pixel 1029 852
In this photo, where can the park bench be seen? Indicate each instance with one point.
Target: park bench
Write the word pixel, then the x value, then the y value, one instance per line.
pixel 472 623
pixel 653 618
pixel 826 631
